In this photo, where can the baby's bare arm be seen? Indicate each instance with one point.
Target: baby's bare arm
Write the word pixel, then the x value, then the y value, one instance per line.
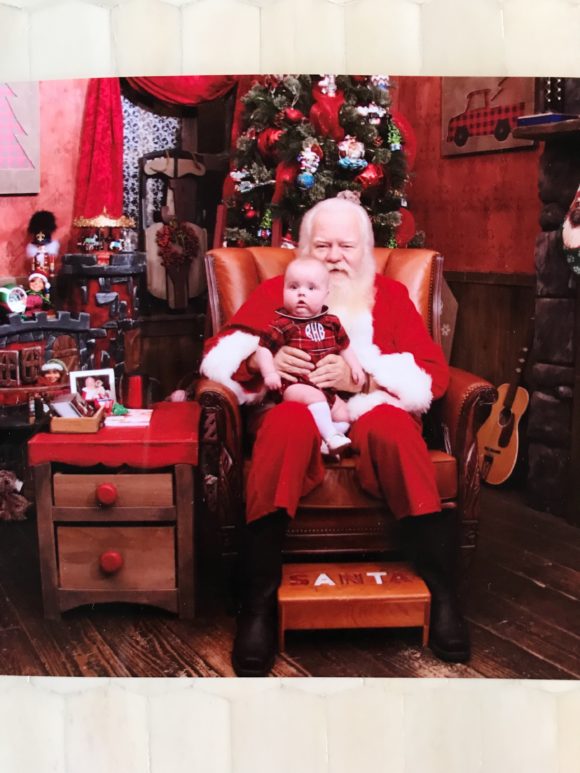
pixel 349 356
pixel 265 362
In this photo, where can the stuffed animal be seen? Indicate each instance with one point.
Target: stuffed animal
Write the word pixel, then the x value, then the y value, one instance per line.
pixel 12 504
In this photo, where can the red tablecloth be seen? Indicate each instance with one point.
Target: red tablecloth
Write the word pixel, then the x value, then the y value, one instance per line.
pixel 170 438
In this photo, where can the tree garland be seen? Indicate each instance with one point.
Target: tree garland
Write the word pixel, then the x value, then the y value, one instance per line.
pixel 178 244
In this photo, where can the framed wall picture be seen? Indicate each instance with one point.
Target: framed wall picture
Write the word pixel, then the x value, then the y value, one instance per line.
pixel 19 138
pixel 478 115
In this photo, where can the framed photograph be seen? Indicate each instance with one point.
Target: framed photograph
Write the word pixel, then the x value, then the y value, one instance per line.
pixel 478 115
pixel 94 385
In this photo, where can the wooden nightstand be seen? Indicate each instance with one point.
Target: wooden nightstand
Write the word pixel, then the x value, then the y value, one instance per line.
pixel 124 533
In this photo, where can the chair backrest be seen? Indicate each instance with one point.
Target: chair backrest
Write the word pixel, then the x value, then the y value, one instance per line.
pixel 234 272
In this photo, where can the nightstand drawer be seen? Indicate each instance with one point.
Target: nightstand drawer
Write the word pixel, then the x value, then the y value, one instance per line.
pixel 113 490
pixel 119 557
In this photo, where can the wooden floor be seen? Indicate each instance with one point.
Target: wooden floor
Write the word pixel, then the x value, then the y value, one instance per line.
pixel 522 596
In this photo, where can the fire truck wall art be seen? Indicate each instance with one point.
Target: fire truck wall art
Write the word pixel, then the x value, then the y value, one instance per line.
pixel 478 115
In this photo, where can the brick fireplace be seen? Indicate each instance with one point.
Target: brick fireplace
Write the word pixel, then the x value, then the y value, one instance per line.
pixel 554 413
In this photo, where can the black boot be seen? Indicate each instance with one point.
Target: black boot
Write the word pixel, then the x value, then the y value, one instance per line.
pixel 260 575
pixel 432 541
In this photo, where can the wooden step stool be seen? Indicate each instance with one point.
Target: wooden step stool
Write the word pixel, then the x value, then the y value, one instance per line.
pixel 345 595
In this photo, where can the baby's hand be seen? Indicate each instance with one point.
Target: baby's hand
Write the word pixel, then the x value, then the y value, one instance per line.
pixel 358 375
pixel 179 396
pixel 273 381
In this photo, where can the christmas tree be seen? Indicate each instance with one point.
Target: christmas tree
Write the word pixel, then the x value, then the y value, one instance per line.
pixel 307 138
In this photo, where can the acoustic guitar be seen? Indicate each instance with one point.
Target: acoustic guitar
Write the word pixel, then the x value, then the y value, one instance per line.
pixel 497 439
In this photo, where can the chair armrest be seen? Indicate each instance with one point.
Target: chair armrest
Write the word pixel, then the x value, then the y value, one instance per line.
pixel 461 408
pixel 212 394
pixel 462 415
pixel 220 458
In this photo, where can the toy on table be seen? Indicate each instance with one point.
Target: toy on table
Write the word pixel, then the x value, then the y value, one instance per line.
pixel 42 248
pixel 38 298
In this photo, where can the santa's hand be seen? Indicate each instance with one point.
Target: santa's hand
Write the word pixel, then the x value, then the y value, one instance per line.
pixel 291 363
pixel 333 372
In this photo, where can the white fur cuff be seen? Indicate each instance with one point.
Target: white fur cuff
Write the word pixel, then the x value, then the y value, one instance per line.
pixel 360 404
pixel 221 362
pixel 410 384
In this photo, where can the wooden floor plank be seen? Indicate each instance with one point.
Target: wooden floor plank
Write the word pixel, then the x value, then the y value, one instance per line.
pixel 544 534
pixel 8 616
pixel 536 568
pixel 375 653
pixel 498 657
pixel 212 639
pixel 562 611
pixel 529 632
pixel 146 643
pixel 17 655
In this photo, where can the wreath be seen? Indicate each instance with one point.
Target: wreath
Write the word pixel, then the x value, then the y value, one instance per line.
pixel 178 244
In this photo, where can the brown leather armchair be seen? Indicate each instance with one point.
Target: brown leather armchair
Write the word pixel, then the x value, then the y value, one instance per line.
pixel 338 517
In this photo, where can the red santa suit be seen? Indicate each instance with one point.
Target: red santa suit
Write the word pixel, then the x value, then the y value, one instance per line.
pixel 395 348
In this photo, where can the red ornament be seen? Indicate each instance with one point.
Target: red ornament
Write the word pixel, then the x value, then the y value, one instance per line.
pixel 286 172
pixel 249 212
pixel 267 140
pixel 324 113
pixel 371 176
pixel 406 230
pixel 293 115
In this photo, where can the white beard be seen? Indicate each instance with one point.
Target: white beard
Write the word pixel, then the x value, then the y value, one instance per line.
pixel 352 302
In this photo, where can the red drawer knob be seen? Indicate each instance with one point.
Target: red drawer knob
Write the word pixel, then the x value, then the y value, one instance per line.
pixel 106 494
pixel 110 561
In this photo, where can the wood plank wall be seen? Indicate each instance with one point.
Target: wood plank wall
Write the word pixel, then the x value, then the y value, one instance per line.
pixel 171 348
pixel 492 321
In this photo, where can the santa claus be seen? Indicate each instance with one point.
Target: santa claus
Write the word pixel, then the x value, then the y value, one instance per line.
pixel 405 371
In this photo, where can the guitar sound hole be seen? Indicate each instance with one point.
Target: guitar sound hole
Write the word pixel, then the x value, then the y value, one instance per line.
pixel 505 417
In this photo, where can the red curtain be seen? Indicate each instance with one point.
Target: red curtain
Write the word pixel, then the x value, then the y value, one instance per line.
pixel 100 168
pixel 185 90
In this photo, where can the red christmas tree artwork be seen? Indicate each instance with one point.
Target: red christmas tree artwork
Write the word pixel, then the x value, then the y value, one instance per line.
pixel 12 154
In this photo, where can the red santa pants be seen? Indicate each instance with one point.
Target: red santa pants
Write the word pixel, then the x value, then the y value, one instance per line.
pixel 393 464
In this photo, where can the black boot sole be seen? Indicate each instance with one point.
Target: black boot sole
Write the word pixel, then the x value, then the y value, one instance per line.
pixel 450 656
pixel 244 671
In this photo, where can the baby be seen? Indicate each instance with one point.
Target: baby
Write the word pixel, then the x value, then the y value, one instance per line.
pixel 304 323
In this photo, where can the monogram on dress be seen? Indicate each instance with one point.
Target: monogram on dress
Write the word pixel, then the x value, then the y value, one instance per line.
pixel 314 331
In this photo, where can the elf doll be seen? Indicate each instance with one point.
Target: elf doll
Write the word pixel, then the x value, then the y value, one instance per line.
pixel 38 288
pixel 53 372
